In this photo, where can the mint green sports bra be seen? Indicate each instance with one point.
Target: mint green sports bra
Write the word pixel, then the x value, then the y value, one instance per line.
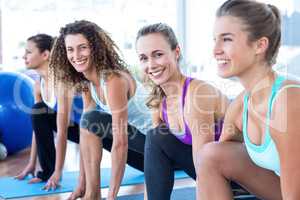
pixel 266 154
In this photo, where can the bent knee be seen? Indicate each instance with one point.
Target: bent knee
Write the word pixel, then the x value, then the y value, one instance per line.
pixel 210 157
pixel 223 158
pixel 211 150
pixel 95 122
pixel 156 135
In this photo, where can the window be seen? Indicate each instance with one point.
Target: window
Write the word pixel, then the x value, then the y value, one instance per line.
pixel 120 18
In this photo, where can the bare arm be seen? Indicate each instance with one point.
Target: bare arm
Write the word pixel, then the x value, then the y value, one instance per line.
pixel 37 98
pixel 30 167
pixel 199 115
pixel 33 152
pixel 117 99
pixel 232 126
pixel 285 132
pixel 37 92
pixel 88 104
pixel 64 103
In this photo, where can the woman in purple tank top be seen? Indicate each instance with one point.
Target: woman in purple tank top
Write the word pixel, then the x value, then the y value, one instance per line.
pixel 185 111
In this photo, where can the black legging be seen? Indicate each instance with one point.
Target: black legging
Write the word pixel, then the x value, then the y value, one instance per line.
pixel 99 123
pixel 164 153
pixel 44 124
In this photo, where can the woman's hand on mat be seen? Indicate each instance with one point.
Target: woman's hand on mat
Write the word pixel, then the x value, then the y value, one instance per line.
pixel 53 181
pixel 35 180
pixel 77 193
pixel 29 169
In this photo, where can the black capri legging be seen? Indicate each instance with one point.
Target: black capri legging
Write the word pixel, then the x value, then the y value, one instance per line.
pixel 164 154
pixel 44 125
pixel 100 123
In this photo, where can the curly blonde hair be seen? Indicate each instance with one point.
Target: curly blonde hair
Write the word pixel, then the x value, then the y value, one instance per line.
pixel 104 55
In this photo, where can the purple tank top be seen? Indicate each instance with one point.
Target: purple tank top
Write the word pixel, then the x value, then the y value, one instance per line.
pixel 186 138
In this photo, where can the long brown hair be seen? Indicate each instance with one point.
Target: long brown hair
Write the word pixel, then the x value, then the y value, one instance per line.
pixel 104 54
pixel 260 20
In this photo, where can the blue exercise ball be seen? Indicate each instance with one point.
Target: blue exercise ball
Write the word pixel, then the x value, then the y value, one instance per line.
pixel 77 109
pixel 16 101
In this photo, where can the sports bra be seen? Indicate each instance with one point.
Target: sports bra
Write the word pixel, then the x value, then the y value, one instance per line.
pixel 264 155
pixel 186 135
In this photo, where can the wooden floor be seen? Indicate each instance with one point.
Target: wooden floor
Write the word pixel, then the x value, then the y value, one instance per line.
pixel 15 163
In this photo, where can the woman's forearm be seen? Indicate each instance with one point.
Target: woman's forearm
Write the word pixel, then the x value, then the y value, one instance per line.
pixel 33 150
pixel 119 158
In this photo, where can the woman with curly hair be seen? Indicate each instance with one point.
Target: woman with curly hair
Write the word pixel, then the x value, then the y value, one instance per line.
pixel 84 55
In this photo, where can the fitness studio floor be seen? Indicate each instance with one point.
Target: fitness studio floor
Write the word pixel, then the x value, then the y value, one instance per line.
pixel 15 163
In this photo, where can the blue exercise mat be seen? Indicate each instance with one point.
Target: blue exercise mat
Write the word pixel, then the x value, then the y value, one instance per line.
pixel 12 188
pixel 183 194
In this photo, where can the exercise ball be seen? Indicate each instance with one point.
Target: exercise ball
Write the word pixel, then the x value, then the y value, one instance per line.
pixel 77 109
pixel 16 101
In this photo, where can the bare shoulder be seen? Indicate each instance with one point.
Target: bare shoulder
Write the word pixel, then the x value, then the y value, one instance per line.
pixel 291 82
pixel 288 93
pixel 121 81
pixel 200 86
pixel 115 78
pixel 200 94
pixel 286 107
pixel 199 89
pixel 208 95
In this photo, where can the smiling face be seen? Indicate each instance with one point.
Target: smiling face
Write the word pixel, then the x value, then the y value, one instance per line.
pixel 33 58
pixel 234 53
pixel 158 60
pixel 78 52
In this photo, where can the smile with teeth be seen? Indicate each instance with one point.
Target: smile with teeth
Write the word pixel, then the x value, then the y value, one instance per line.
pixel 222 62
pixel 80 62
pixel 157 73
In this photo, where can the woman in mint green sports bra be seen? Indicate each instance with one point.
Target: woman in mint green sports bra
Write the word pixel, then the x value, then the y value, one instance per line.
pixel 259 146
pixel 85 56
